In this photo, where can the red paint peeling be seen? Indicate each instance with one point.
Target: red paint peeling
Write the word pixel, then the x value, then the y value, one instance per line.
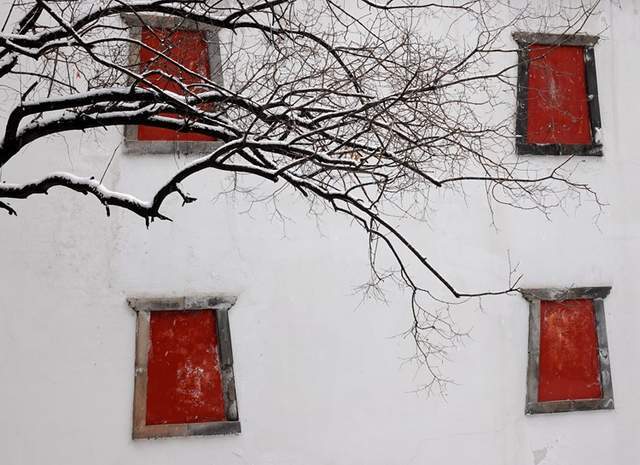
pixel 188 48
pixel 183 377
pixel 558 105
pixel 569 366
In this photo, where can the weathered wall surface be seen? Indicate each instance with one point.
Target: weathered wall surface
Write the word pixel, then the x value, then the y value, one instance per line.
pixel 320 378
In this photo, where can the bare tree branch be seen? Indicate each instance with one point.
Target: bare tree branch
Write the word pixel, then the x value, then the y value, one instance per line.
pixel 349 103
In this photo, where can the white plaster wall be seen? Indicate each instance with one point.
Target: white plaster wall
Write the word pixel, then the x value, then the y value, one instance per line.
pixel 320 378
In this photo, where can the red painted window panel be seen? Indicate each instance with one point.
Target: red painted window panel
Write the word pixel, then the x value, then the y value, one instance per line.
pixel 557 100
pixel 569 367
pixel 190 49
pixel 183 378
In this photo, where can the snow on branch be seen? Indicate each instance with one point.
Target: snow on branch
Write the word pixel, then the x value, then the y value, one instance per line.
pixel 84 186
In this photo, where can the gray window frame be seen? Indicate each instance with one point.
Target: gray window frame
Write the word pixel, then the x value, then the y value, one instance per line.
pixel 134 24
pixel 143 306
pixel 534 297
pixel 587 42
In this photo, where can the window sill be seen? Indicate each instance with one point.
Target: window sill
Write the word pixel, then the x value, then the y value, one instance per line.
pixel 569 406
pixel 187 429
pixel 594 150
pixel 150 147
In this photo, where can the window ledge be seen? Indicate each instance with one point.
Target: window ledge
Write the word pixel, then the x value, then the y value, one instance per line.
pixel 566 293
pixel 163 147
pixel 164 21
pixel 579 40
pixel 594 150
pixel 569 406
pixel 220 301
pixel 187 429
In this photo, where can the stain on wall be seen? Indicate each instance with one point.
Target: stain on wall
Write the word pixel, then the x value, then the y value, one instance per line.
pixel 539 455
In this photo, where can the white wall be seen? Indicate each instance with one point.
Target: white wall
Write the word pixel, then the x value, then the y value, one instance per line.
pixel 320 378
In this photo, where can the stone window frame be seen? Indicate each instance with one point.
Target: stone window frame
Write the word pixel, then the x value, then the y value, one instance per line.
pixel 134 24
pixel 597 296
pixel 587 42
pixel 143 306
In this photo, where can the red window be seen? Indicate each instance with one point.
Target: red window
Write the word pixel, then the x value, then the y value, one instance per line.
pixel 558 111
pixel 569 368
pixel 557 100
pixel 183 380
pixel 190 49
